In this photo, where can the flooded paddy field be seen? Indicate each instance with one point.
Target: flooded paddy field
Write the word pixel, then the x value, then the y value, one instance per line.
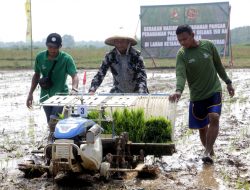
pixel 22 130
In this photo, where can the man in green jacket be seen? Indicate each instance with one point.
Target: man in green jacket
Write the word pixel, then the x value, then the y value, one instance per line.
pixel 58 65
pixel 199 63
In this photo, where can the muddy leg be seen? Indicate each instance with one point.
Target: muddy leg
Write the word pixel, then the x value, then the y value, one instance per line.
pixel 212 132
pixel 203 138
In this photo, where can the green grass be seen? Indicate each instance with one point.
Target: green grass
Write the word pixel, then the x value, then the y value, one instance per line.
pixel 91 57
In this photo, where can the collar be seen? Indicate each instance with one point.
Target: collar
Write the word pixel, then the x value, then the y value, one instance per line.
pixel 127 51
pixel 55 58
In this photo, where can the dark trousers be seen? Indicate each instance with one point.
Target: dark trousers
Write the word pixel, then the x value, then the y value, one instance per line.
pixel 52 111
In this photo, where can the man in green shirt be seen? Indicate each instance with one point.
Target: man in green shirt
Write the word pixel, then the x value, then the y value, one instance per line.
pixel 199 63
pixel 56 65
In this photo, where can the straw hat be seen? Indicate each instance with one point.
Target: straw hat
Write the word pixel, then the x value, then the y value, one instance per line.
pixel 121 35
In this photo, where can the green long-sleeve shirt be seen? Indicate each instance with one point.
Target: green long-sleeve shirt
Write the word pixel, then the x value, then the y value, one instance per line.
pixel 199 67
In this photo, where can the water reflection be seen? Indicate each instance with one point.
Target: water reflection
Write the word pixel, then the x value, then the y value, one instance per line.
pixel 7 163
pixel 22 129
pixel 206 178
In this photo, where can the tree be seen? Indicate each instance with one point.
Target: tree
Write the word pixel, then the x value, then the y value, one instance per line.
pixel 68 41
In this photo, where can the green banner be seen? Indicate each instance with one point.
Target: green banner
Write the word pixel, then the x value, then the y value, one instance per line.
pixel 158 25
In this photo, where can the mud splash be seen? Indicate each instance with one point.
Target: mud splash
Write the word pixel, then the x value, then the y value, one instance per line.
pixel 22 130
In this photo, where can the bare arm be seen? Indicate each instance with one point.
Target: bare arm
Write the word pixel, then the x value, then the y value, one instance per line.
pixel 75 81
pixel 230 89
pixel 33 86
pixel 180 77
pixel 175 96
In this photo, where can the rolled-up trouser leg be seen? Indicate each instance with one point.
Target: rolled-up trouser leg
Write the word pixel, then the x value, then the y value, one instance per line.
pixel 52 110
pixel 52 113
pixel 52 125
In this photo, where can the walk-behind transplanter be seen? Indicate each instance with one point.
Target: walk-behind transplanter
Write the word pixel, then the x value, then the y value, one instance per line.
pixel 79 147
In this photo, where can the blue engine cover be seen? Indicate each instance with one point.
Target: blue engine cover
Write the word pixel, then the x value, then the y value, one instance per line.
pixel 72 127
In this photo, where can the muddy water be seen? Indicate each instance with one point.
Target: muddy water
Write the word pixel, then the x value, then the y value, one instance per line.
pixel 22 130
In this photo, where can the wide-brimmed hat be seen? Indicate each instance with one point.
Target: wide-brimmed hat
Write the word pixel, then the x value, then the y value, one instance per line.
pixel 121 34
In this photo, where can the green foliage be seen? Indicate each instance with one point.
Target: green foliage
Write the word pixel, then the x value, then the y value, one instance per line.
pixel 61 116
pixel 243 184
pixel 158 130
pixel 131 121
pixel 153 130
pixel 96 115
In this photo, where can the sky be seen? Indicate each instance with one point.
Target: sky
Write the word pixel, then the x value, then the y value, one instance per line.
pixel 90 19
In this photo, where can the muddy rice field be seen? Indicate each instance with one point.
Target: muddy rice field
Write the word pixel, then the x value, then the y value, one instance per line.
pixel 23 130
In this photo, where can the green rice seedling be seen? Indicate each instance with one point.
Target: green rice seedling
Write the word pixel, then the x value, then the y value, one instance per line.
pixel 243 99
pixel 131 121
pixel 225 175
pixel 19 154
pixel 93 114
pixel 157 130
pixel 242 184
pixel 105 124
pixel 233 142
pixel 118 121
pixel 138 126
pixel 184 135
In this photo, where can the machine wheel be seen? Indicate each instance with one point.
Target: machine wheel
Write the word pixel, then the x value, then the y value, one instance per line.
pixel 104 170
